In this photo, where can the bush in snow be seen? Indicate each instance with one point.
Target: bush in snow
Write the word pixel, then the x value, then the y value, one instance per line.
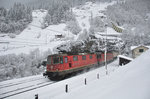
pixel 16 66
pixel 97 25
pixel 83 36
pixel 11 35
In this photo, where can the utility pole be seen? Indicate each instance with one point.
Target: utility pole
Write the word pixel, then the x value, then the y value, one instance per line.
pixel 46 39
pixel 106 50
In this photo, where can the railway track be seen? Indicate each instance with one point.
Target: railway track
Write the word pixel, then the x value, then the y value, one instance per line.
pixel 24 89
pixel 11 88
pixel 19 82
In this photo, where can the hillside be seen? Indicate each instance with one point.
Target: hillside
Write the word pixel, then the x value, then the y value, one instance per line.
pixel 34 36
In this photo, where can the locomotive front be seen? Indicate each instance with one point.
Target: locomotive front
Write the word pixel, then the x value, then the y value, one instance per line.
pixel 53 66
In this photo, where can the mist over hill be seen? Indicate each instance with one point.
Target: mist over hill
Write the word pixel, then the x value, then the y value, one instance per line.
pixel 9 3
pixel 40 3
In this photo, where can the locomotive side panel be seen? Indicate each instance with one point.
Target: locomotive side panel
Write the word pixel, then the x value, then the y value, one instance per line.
pixel 65 62
pixel 59 65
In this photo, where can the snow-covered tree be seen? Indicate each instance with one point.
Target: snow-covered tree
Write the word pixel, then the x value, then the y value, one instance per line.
pixel 97 25
pixel 15 66
pixel 73 26
pixel 83 36
pixel 15 19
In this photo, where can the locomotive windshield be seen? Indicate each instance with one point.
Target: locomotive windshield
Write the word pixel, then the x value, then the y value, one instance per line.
pixel 98 56
pixel 57 60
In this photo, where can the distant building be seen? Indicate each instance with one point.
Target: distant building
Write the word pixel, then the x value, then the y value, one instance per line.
pixel 123 60
pixel 138 50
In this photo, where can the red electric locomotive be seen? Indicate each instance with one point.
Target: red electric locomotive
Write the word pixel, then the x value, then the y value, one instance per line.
pixel 60 65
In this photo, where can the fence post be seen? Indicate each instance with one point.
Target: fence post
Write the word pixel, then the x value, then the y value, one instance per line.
pixel 85 81
pixel 66 88
pixel 36 96
pixel 97 76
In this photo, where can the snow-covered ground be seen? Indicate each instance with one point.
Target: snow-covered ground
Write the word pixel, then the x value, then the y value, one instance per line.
pixel 130 81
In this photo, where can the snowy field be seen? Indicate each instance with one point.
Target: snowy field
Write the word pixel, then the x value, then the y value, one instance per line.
pixel 131 81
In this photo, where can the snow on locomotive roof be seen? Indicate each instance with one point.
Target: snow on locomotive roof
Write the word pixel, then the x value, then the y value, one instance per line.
pixel 65 54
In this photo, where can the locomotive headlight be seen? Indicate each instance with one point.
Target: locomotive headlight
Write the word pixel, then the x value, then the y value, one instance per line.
pixel 52 67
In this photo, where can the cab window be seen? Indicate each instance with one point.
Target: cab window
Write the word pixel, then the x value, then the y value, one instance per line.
pixel 61 60
pixel 98 56
pixel 55 60
pixel 83 57
pixel 66 60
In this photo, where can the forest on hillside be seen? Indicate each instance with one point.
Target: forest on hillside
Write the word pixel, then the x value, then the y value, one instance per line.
pixel 18 16
pixel 134 17
pixel 15 19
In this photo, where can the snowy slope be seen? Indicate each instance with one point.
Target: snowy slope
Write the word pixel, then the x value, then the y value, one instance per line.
pixel 84 14
pixel 34 37
pixel 131 81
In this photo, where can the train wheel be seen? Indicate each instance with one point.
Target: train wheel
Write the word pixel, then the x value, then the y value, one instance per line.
pixel 57 78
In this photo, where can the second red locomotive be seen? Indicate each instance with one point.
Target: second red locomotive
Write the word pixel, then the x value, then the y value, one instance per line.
pixel 60 65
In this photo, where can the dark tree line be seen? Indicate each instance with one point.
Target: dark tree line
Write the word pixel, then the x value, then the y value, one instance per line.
pixel 15 19
pixel 58 12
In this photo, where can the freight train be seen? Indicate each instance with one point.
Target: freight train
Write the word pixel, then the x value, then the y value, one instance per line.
pixel 58 66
